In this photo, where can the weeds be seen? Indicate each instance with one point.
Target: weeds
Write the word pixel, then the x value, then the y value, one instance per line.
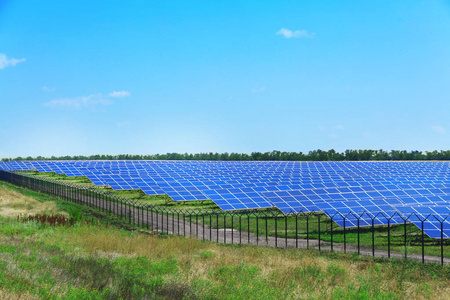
pixel 52 220
pixel 207 254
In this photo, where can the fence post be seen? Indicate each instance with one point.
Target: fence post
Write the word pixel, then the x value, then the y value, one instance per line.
pixel 442 242
pixel 296 230
pixel 132 211
pixel 217 228
pixel 224 228
pixel 99 201
pixel 190 223
pixel 232 228
pixel 151 217
pixel 119 205
pixel 359 252
pixel 373 238
pixel 137 207
pixel 257 229
pixel 331 235
pixel 405 239
pixel 196 224
pixel 389 237
pixel 267 228
pixel 307 231
pixel 345 238
pixel 139 215
pixel 157 220
pixel 318 226
pixel 146 207
pixel 423 244
pixel 285 230
pixel 248 228
pixel 240 229
pixel 276 232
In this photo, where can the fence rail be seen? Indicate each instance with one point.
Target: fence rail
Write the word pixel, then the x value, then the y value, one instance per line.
pixel 256 227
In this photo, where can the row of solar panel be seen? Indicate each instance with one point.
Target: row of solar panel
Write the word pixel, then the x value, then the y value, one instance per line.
pixel 309 167
pixel 343 188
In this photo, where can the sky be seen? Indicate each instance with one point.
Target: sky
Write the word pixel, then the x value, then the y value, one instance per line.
pixel 145 77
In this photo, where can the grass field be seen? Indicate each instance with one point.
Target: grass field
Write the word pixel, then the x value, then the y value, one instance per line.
pixel 95 259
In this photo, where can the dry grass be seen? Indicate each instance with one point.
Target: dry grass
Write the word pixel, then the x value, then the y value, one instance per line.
pixel 13 204
pixel 79 258
pixel 281 268
pixel 6 295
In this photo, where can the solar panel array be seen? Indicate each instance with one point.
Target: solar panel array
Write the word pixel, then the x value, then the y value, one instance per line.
pixel 359 191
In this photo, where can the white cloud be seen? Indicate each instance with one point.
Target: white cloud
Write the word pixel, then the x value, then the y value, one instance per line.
pixel 259 90
pixel 86 101
pixel 6 62
pixel 295 34
pixel 339 127
pixel 79 102
pixel 439 129
pixel 47 89
pixel 119 94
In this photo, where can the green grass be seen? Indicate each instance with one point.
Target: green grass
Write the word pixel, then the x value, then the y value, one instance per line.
pixel 97 257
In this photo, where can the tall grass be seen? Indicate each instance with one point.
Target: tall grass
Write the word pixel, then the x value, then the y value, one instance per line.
pixel 95 261
pixel 90 259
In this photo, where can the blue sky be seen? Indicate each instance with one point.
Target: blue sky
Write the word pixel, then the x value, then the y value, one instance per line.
pixel 105 77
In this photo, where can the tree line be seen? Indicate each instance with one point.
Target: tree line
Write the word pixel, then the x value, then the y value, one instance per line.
pixel 315 155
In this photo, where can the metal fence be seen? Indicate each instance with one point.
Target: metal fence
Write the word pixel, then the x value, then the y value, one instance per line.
pixel 256 227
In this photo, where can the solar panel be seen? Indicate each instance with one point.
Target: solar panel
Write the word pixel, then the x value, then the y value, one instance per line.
pixel 434 219
pixel 368 191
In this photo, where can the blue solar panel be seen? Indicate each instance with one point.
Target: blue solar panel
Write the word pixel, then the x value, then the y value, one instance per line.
pixel 433 218
pixel 365 190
